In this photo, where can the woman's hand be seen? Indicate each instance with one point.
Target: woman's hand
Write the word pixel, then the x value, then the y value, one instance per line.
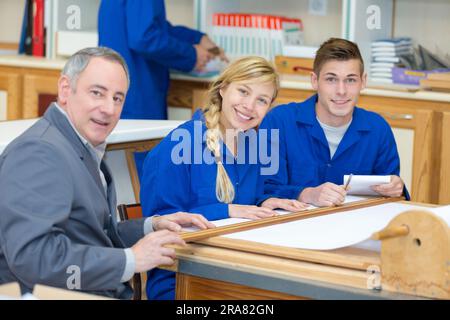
pixel 249 212
pixel 285 204
pixel 176 221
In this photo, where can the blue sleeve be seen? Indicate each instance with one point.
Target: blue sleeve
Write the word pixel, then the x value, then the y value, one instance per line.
pixel 185 34
pixel 149 34
pixel 34 234
pixel 261 195
pixel 388 160
pixel 277 184
pixel 165 186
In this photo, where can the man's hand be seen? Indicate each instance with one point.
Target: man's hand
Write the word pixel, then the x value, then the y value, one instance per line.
pixel 325 195
pixel 391 189
pixel 208 44
pixel 149 252
pixel 175 221
pixel 286 204
pixel 203 57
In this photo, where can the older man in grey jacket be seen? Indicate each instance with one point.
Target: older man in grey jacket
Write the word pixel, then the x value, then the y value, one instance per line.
pixel 57 199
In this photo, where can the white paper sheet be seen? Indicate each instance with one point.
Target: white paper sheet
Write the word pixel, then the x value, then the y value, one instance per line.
pixel 230 221
pixel 361 185
pixel 442 212
pixel 326 232
pixel 351 228
pixel 373 245
pixel 332 231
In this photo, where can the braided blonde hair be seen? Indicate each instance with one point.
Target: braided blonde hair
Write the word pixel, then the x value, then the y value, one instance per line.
pixel 249 69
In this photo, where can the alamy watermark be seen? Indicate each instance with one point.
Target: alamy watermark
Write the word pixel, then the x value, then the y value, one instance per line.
pixel 253 147
pixel 373 277
pixel 74 280
pixel 73 21
pixel 373 21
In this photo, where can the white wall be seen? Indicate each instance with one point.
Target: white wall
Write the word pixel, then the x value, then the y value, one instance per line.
pixel 427 22
pixel 3 105
pixel 11 13
pixel 181 12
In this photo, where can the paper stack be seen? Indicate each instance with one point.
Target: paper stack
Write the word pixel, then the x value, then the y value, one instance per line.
pixel 387 54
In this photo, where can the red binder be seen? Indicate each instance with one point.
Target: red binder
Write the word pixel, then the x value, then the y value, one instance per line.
pixel 38 28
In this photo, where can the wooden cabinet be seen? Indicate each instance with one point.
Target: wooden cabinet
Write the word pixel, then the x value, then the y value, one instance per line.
pixel 183 93
pixel 11 83
pixel 197 288
pixel 36 87
pixel 230 269
pixel 423 151
pixel 28 90
pixel 444 166
pixel 425 119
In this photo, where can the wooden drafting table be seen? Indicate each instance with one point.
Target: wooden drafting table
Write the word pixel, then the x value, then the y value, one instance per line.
pixel 223 268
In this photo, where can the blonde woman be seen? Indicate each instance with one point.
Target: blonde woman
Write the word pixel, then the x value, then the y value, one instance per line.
pixel 207 165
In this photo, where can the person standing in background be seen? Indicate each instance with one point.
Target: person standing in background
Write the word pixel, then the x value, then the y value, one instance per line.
pixel 140 32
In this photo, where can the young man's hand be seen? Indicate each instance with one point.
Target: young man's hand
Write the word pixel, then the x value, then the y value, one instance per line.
pixel 391 189
pixel 325 195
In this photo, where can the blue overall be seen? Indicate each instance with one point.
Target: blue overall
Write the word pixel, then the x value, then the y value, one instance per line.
pixel 367 148
pixel 168 187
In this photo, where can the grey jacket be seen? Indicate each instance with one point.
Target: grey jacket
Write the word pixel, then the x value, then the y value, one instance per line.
pixel 57 227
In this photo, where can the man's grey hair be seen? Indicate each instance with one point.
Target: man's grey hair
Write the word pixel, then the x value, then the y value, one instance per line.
pixel 79 61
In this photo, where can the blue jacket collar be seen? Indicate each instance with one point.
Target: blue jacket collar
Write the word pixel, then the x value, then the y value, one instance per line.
pixel 306 114
pixel 61 122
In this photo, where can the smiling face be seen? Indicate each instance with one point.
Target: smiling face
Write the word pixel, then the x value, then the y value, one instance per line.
pixel 338 86
pixel 95 104
pixel 245 104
